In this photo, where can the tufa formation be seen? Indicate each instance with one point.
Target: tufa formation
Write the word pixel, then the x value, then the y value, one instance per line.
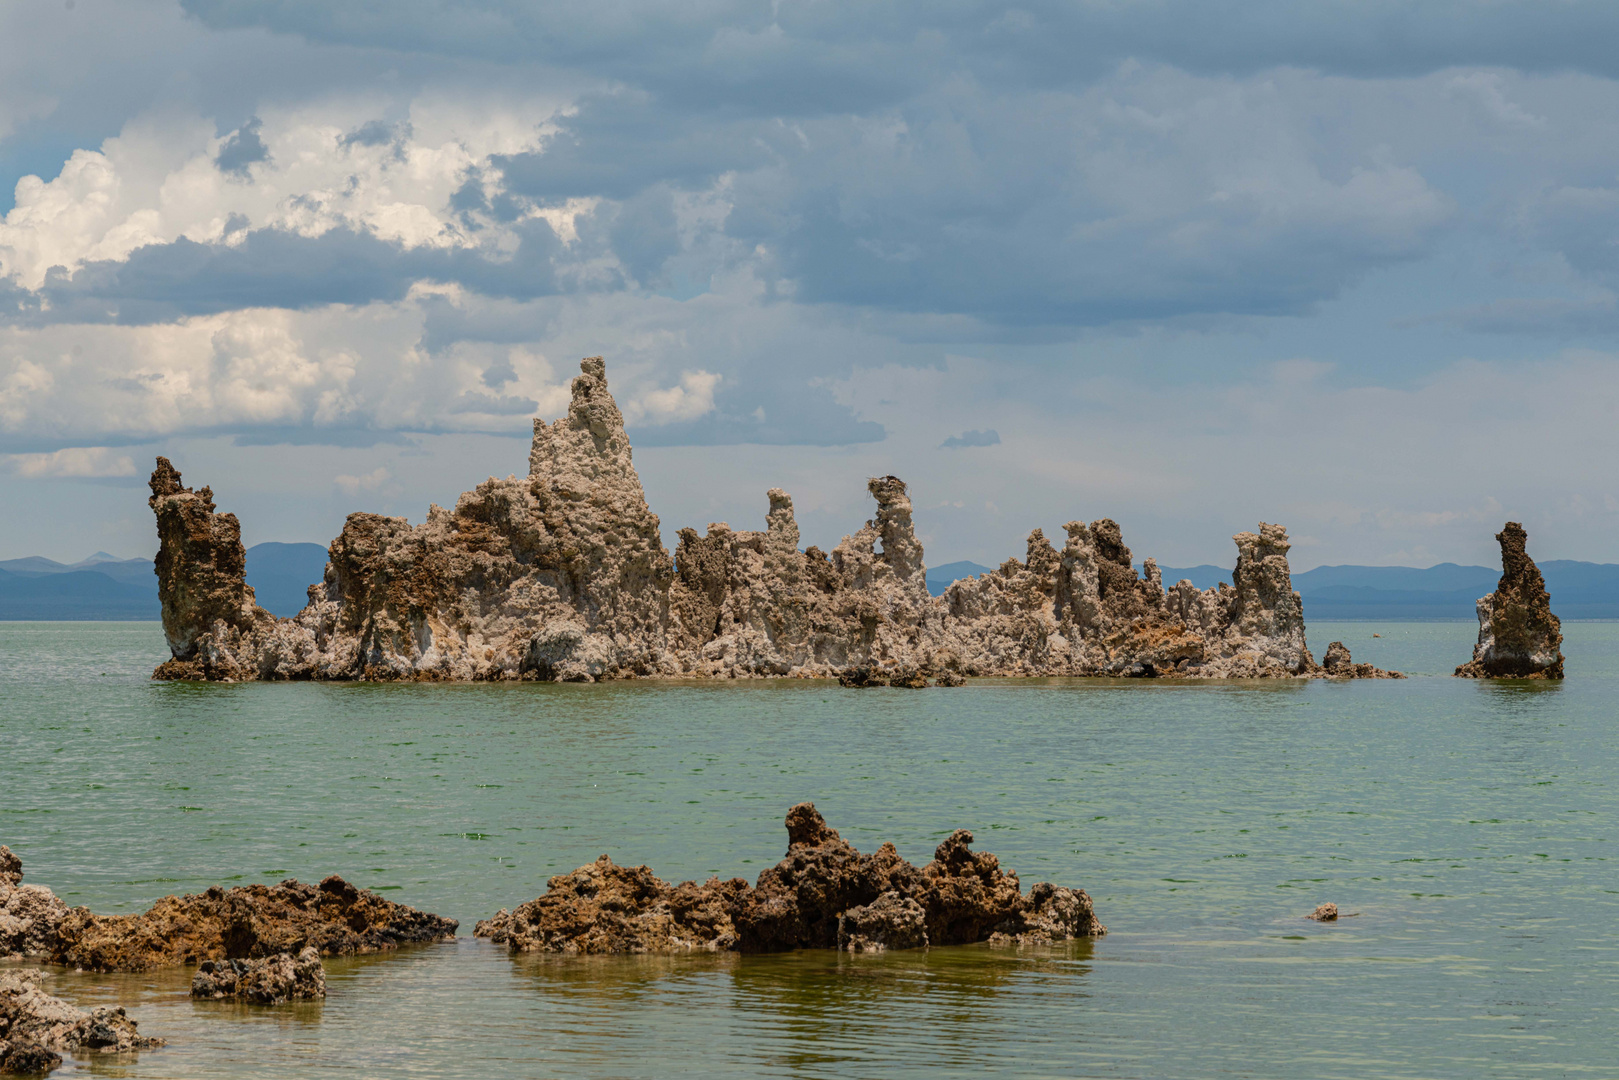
pixel 1518 636
pixel 824 894
pixel 562 575
pixel 245 922
pixel 36 1028
pixel 269 980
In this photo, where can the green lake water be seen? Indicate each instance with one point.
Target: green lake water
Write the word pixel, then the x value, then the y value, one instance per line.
pixel 1473 826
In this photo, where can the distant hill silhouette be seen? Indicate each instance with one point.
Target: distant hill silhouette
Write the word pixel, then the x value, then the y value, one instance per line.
pixel 104 587
pixel 282 573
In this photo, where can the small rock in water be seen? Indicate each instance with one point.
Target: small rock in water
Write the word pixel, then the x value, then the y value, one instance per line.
pixel 949 678
pixel 1338 664
pixel 1325 913
pixel 270 980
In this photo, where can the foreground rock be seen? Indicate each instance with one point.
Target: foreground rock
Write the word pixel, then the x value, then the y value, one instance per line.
pixel 243 922
pixel 271 980
pixel 562 575
pixel 824 894
pixel 36 1029
pixel 1518 636
pixel 29 914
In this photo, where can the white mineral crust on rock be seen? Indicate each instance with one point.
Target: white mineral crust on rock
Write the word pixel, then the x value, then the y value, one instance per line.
pixel 562 575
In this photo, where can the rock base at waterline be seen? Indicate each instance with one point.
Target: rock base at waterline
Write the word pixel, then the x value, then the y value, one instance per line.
pixel 824 894
pixel 269 980
pixel 242 922
pixel 36 1028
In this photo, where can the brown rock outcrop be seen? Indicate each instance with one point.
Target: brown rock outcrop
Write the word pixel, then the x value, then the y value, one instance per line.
pixel 37 1028
pixel 562 575
pixel 824 894
pixel 268 980
pixel 1327 912
pixel 606 908
pixel 891 921
pixel 1339 664
pixel 243 922
pixel 1518 636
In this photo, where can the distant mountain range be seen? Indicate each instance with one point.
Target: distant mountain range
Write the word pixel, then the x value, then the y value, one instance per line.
pixel 1579 590
pixel 106 587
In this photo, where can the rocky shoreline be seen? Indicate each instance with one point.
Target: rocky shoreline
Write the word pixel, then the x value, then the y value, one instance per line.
pixel 823 894
pixel 562 575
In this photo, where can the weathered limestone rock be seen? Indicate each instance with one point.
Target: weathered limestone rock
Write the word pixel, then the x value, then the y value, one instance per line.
pixel 209 615
pixel 1327 912
pixel 606 908
pixel 29 914
pixel 1338 664
pixel 562 575
pixel 244 922
pixel 824 894
pixel 1518 636
pixel 268 980
pixel 37 1028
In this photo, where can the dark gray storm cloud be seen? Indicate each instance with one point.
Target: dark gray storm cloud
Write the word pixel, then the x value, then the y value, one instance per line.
pixel 828 55
pixel 278 269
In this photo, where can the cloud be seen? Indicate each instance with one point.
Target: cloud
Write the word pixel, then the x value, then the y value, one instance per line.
pixel 989 437
pixel 754 49
pixel 76 462
pixel 374 480
pixel 244 148
pixel 693 397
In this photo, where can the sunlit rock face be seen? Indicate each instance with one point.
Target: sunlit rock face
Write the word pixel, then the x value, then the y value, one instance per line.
pixel 561 575
pixel 1518 636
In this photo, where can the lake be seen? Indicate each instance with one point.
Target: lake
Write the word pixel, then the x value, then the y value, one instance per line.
pixel 1471 825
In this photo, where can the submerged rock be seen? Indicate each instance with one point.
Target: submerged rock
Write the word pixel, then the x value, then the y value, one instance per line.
pixel 269 980
pixel 562 575
pixel 1518 636
pixel 36 1028
pixel 824 894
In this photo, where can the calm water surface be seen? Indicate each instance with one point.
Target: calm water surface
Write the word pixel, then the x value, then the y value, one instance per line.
pixel 1472 826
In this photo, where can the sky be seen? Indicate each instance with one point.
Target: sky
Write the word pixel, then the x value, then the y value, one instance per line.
pixel 1350 266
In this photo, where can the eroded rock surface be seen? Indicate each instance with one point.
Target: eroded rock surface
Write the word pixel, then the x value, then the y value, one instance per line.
pixel 562 575
pixel 823 894
pixel 36 1028
pixel 244 922
pixel 1518 636
pixel 29 914
pixel 606 908
pixel 268 980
